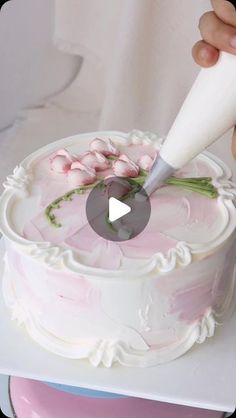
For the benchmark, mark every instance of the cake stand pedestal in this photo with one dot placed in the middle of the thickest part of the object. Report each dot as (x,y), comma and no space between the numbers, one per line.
(205,377)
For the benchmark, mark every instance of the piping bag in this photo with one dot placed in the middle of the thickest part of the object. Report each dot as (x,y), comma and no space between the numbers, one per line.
(208,111)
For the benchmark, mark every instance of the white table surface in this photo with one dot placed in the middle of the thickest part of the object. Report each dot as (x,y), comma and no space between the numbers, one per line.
(205,377)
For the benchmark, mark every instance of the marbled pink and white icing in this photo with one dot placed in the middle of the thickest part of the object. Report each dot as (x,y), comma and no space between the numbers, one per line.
(139,302)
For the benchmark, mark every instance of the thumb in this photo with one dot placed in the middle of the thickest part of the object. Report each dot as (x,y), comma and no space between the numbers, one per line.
(225,11)
(234,143)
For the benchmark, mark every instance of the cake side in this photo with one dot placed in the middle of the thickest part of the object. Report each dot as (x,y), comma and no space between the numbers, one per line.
(137,322)
(156,302)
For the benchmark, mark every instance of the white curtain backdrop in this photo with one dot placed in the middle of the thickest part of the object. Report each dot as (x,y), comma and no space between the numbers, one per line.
(136,70)
(137,64)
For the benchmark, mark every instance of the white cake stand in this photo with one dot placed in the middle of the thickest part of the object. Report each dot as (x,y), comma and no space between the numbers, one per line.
(205,377)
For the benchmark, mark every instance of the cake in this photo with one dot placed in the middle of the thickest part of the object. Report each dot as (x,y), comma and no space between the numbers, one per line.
(30,399)
(138,302)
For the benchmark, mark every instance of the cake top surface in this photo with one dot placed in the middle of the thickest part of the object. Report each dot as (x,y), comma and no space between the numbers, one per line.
(43,205)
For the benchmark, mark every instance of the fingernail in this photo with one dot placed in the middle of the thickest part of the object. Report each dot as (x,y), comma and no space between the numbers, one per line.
(232,41)
(230,5)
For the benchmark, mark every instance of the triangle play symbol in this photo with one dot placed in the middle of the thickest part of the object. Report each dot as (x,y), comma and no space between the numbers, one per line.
(117,209)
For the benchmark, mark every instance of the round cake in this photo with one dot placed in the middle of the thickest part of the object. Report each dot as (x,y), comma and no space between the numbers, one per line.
(30,399)
(140,301)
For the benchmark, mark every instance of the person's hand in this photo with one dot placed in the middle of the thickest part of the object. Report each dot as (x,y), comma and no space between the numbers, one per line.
(218,31)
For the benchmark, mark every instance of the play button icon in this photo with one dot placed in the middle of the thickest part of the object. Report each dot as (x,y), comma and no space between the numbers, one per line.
(113,212)
(117,209)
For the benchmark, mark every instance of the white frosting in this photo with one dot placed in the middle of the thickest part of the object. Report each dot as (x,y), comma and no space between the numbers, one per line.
(18,181)
(127,347)
(52,254)
(138,314)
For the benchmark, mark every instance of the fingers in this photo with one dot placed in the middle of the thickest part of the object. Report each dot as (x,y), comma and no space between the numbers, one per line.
(225,11)
(204,54)
(234,144)
(217,33)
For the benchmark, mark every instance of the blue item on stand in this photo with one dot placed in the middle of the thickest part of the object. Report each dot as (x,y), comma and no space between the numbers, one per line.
(84,392)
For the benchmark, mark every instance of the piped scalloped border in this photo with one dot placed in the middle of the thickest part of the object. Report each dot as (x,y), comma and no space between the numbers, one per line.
(16,186)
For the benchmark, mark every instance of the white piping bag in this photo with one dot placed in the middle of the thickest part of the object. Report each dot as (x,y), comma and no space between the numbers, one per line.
(206,114)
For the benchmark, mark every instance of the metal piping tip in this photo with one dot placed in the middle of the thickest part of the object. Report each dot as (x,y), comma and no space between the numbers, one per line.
(159,173)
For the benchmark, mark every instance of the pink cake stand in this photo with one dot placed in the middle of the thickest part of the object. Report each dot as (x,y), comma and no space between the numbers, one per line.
(31,398)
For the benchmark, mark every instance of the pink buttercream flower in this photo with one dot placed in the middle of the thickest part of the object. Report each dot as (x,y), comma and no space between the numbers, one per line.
(104,146)
(124,167)
(61,162)
(95,159)
(146,162)
(66,154)
(80,175)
